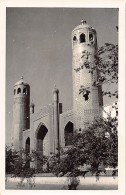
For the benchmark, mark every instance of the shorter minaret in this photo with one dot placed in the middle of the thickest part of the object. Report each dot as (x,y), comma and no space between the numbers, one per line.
(21,112)
(56,119)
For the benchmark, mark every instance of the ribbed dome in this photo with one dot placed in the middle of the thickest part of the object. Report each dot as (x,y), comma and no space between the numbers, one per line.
(83,25)
(21,82)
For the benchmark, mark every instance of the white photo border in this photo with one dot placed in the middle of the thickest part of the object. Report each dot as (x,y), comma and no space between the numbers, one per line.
(66,3)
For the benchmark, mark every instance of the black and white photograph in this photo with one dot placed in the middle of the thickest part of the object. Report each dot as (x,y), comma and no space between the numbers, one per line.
(61,99)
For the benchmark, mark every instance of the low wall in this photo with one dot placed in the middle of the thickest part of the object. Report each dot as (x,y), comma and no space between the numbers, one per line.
(60,183)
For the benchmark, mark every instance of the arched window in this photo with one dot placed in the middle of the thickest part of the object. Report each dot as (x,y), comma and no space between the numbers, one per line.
(14,91)
(90,36)
(68,131)
(24,91)
(82,38)
(74,38)
(19,90)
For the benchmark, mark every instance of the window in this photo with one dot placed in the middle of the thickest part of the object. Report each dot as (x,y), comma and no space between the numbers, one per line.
(82,38)
(90,37)
(24,91)
(86,95)
(19,90)
(74,38)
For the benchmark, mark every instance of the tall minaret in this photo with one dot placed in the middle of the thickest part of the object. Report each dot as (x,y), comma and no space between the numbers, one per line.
(56,119)
(84,49)
(21,112)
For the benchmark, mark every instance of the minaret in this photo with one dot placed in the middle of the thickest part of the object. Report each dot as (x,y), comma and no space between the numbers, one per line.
(56,118)
(84,49)
(21,112)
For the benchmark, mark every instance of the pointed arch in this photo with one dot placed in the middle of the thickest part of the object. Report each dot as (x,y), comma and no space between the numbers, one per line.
(91,37)
(82,38)
(41,143)
(40,136)
(24,91)
(74,38)
(18,90)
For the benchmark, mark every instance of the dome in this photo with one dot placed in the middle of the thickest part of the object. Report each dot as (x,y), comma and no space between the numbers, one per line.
(21,82)
(83,25)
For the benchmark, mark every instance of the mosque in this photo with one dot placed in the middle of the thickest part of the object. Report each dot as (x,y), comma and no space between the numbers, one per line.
(47,130)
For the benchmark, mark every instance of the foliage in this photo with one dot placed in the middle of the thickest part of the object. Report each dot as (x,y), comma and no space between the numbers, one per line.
(108,67)
(40,161)
(73,182)
(84,91)
(106,64)
(18,165)
(92,148)
(9,159)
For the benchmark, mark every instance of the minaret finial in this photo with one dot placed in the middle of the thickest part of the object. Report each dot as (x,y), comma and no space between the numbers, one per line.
(22,77)
(55,90)
(83,21)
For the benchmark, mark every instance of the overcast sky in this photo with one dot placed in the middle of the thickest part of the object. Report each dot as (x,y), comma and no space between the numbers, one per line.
(38,47)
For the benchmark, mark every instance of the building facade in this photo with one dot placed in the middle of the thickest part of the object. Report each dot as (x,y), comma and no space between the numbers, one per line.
(46,130)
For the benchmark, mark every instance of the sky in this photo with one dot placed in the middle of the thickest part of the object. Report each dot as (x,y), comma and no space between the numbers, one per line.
(38,47)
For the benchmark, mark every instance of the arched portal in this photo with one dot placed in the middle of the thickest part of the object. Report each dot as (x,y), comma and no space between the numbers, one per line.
(41,144)
(42,131)
(68,131)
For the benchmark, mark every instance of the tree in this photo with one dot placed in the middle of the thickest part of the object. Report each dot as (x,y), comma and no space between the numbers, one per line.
(9,160)
(90,152)
(18,165)
(108,67)
(106,64)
